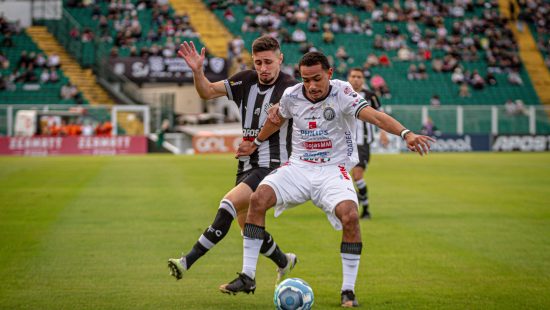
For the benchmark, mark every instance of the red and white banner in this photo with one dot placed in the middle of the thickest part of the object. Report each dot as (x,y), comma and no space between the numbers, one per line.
(216,144)
(94,145)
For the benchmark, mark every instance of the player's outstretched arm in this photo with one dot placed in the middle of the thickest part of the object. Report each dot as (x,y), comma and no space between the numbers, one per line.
(248,147)
(195,61)
(415,143)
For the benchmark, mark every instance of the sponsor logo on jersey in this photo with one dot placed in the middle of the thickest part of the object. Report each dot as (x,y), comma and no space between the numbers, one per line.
(343,171)
(257,111)
(313,133)
(235,83)
(312,118)
(315,160)
(312,125)
(318,145)
(249,133)
(329,114)
(349,142)
(348,90)
(293,96)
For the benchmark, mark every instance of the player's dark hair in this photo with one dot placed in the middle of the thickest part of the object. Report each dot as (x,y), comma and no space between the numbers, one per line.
(356,69)
(314,58)
(265,43)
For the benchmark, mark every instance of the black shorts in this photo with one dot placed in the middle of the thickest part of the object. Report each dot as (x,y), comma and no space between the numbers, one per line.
(252,177)
(364,155)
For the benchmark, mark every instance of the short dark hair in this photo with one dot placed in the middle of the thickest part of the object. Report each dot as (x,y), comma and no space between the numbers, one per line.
(314,58)
(265,43)
(356,69)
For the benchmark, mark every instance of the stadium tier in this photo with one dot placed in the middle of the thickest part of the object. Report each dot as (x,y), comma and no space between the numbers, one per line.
(22,73)
(135,28)
(383,29)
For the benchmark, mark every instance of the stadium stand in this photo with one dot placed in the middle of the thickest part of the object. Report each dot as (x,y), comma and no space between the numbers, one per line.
(27,76)
(472,37)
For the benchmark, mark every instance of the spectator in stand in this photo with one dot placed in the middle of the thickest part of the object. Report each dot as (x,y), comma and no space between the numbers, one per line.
(379,86)
(464,90)
(514,78)
(299,36)
(54,77)
(510,107)
(412,73)
(328,36)
(435,101)
(342,54)
(68,91)
(384,60)
(54,61)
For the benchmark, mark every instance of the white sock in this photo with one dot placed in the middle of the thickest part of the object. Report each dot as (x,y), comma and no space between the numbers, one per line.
(350,267)
(251,251)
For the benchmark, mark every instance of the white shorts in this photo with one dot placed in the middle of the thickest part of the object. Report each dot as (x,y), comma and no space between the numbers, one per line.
(325,186)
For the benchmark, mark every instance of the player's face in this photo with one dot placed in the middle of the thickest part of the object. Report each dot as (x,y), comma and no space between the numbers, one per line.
(268,65)
(316,81)
(356,79)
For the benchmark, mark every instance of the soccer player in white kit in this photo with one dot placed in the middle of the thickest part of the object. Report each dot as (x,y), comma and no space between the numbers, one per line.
(324,113)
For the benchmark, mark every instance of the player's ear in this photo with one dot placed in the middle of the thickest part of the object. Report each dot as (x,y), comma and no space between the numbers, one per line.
(281,58)
(330,71)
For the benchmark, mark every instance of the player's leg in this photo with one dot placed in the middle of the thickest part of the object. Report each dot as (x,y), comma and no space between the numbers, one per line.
(286,186)
(269,247)
(236,199)
(253,238)
(334,193)
(357,173)
(350,250)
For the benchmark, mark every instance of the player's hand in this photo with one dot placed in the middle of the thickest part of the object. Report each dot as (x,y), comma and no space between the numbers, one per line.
(273,115)
(418,143)
(189,53)
(245,149)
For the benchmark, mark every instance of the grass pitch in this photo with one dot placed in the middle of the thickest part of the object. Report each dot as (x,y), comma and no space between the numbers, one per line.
(449,231)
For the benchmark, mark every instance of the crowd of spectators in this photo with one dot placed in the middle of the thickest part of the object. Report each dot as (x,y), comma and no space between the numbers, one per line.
(537,14)
(458,32)
(118,23)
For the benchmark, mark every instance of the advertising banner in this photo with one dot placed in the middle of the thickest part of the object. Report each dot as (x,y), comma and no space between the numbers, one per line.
(216,143)
(157,69)
(93,145)
(523,143)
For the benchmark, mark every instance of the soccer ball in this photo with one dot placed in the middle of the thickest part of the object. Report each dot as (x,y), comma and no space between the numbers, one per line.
(293,294)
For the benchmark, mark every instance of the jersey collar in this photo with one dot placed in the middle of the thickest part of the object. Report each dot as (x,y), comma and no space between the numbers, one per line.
(318,100)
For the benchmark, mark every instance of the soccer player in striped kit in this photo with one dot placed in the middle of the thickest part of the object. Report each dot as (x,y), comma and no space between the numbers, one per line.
(254,92)
(365,136)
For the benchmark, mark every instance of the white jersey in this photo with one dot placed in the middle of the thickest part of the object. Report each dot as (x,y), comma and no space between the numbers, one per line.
(323,132)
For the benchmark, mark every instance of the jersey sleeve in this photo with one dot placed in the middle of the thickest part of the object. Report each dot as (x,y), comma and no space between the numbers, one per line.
(352,102)
(285,104)
(235,85)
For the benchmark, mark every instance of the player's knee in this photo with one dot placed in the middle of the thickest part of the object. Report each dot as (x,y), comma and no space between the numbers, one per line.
(349,216)
(350,220)
(262,199)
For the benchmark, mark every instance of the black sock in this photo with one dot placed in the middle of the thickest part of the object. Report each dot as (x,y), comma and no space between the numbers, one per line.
(271,249)
(362,194)
(211,236)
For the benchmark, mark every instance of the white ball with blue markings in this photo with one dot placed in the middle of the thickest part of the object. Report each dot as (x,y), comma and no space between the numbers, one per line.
(293,294)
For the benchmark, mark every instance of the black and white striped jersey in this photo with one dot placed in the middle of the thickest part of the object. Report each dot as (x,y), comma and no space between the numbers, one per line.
(365,131)
(253,100)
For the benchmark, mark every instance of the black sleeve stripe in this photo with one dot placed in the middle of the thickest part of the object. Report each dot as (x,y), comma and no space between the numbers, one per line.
(361,107)
(228,89)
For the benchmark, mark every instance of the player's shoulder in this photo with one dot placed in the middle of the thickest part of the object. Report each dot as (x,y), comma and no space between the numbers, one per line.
(293,91)
(244,76)
(339,85)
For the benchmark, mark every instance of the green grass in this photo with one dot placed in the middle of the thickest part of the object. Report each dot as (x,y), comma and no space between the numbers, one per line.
(450,231)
